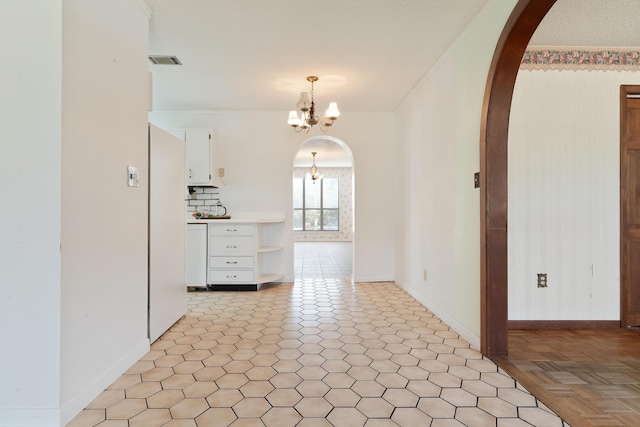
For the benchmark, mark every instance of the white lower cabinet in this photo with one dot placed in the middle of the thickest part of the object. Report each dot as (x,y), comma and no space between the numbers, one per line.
(196,255)
(231,277)
(229,245)
(227,262)
(238,254)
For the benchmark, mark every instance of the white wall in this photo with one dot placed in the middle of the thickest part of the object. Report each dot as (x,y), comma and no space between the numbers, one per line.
(564,185)
(73,264)
(257,149)
(438,215)
(30,96)
(104,248)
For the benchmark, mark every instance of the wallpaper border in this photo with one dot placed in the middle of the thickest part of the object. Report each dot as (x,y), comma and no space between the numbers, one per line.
(559,58)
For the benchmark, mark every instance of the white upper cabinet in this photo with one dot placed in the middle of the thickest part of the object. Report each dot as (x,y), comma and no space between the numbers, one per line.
(199,166)
(199,150)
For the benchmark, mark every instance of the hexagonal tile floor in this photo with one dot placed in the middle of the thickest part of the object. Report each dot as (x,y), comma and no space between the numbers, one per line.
(313,353)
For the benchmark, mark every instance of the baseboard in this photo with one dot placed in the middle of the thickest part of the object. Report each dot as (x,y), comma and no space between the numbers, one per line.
(563,324)
(472,338)
(32,417)
(365,279)
(93,389)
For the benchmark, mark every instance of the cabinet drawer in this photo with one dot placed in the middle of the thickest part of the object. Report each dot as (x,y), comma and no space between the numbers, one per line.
(231,262)
(231,229)
(231,246)
(231,276)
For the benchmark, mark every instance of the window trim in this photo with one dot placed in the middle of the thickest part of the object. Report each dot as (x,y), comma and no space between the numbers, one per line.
(322,209)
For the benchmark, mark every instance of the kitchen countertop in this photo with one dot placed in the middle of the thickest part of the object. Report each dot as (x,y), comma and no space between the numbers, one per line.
(246,218)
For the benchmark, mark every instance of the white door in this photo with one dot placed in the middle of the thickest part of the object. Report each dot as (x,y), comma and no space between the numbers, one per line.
(167,214)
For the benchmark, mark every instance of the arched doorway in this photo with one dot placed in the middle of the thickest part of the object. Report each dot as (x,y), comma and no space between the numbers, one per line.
(525,18)
(323,210)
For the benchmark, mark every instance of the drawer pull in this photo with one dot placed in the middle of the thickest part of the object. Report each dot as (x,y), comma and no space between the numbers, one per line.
(232,262)
(231,230)
(231,246)
(230,276)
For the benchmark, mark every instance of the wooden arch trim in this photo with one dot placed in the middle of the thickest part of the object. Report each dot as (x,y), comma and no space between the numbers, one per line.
(525,18)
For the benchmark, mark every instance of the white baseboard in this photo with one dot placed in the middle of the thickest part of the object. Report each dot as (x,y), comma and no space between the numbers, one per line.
(443,315)
(93,389)
(366,279)
(31,417)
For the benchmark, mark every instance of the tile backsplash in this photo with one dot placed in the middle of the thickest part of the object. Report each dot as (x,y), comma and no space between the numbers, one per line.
(202,199)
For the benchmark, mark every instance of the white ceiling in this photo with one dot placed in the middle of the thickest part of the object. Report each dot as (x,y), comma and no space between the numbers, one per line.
(257,54)
(368,54)
(590,23)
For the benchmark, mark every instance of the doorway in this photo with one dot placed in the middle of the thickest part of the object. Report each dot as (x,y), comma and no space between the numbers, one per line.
(323,209)
(522,23)
(630,205)
(525,18)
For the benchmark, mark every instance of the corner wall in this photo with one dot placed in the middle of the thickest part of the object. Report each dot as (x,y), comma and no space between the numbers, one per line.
(104,222)
(30,97)
(438,132)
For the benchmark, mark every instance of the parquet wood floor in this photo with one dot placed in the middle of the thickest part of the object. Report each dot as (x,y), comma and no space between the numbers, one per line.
(588,377)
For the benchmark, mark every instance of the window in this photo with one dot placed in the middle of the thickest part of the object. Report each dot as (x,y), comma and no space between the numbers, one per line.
(315,204)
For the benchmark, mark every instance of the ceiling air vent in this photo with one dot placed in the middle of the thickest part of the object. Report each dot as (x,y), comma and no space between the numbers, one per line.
(164,60)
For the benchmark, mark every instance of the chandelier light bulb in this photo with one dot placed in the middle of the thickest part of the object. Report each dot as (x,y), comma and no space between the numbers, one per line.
(293,118)
(332,112)
(303,102)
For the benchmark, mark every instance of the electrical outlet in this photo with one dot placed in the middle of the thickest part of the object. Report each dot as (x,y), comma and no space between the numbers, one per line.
(542,280)
(476,180)
(221,172)
(424,274)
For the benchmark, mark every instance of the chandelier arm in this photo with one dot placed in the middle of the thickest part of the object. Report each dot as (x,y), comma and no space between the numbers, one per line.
(324,127)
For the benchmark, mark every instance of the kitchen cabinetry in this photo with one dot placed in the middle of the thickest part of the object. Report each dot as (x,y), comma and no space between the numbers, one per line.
(199,167)
(244,253)
(196,255)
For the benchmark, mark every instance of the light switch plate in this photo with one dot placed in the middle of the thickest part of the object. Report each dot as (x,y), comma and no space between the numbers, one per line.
(133,176)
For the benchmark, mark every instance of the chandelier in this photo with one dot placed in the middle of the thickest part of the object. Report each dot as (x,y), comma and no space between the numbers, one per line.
(314,169)
(308,116)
